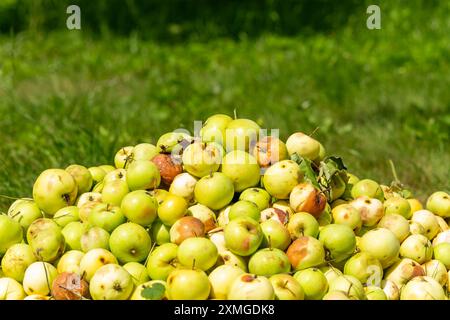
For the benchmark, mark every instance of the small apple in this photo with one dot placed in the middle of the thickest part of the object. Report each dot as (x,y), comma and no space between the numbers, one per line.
(37,297)
(24,211)
(397,224)
(325,217)
(138,272)
(369,188)
(217,236)
(140,207)
(116,174)
(11,233)
(201,159)
(275,234)
(97,174)
(111,282)
(54,189)
(286,287)
(88,197)
(336,295)
(415,205)
(38,278)
(269,150)
(171,209)
(428,221)
(398,205)
(187,284)
(350,285)
(85,211)
(82,177)
(374,293)
(160,233)
(214,128)
(108,168)
(441,252)
(173,142)
(93,260)
(10,289)
(16,260)
(223,218)
(338,240)
(251,287)
(443,226)
(417,247)
(302,224)
(143,175)
(281,177)
(221,279)
(123,157)
(205,215)
(227,257)
(200,253)
(241,134)
(258,196)
(275,214)
(442,237)
(150,290)
(338,202)
(331,272)
(168,167)
(313,283)
(364,267)
(337,187)
(186,227)
(183,185)
(283,206)
(94,237)
(422,288)
(113,192)
(436,270)
(303,145)
(305,252)
(307,198)
(159,194)
(243,236)
(416,228)
(162,261)
(382,244)
(439,204)
(243,208)
(351,180)
(214,191)
(70,286)
(106,216)
(46,239)
(72,234)
(66,215)
(269,261)
(370,209)
(390,289)
(144,151)
(130,242)
(348,215)
(70,262)
(242,169)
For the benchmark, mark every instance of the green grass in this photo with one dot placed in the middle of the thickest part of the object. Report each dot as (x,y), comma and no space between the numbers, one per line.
(66,97)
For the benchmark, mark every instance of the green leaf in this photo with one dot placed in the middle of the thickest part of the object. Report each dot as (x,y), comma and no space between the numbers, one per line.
(306,168)
(154,292)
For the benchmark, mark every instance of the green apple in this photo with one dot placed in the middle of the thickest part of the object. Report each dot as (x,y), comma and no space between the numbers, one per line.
(336,295)
(286,287)
(172,142)
(85,211)
(369,188)
(186,227)
(364,267)
(201,159)
(46,239)
(242,169)
(214,191)
(325,217)
(130,242)
(223,218)
(106,216)
(416,228)
(241,134)
(397,224)
(442,253)
(243,236)
(217,236)
(243,208)
(441,237)
(144,151)
(313,283)
(428,221)
(390,289)
(436,270)
(251,287)
(66,215)
(143,175)
(123,157)
(93,260)
(269,150)
(227,257)
(281,177)
(113,192)
(171,209)
(422,288)
(398,205)
(138,272)
(350,285)
(88,197)
(331,272)
(305,197)
(24,211)
(116,174)
(302,224)
(370,209)
(275,234)
(214,128)
(439,204)
(258,196)
(374,293)
(38,278)
(108,168)
(53,190)
(337,187)
(97,174)
(70,262)
(10,289)
(269,261)
(72,234)
(183,185)
(275,214)
(417,247)
(200,253)
(443,226)
(187,284)
(348,215)
(415,204)
(162,261)
(159,194)
(382,244)
(94,237)
(140,207)
(221,279)
(111,282)
(303,145)
(150,290)
(16,260)
(306,252)
(338,240)
(82,177)
(352,179)
(205,215)
(11,233)
(160,233)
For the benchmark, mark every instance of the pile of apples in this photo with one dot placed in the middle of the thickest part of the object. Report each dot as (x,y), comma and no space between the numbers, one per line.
(228,213)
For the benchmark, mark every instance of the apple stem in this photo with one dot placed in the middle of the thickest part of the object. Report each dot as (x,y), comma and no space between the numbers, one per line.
(314,131)
(235,113)
(8,197)
(193,264)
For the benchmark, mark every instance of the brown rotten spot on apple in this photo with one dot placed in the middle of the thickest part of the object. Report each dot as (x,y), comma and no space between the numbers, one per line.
(297,251)
(186,227)
(168,167)
(70,286)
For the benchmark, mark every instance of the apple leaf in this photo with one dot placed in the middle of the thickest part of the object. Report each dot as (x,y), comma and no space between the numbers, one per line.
(306,168)
(154,292)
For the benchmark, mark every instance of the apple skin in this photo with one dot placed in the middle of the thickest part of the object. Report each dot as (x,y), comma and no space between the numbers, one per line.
(138,292)
(222,217)
(168,168)
(70,262)
(325,217)
(243,208)
(374,293)
(221,279)
(251,287)
(97,174)
(214,128)
(348,215)
(370,209)
(303,224)
(286,287)
(397,224)
(227,257)
(369,188)
(107,167)
(187,284)
(72,233)
(201,159)
(11,289)
(82,177)
(382,244)
(171,209)
(143,175)
(111,282)
(269,150)
(422,288)
(205,215)
(416,228)
(350,285)
(436,270)
(337,187)
(140,207)
(443,226)
(116,174)
(303,145)
(94,237)
(390,289)
(428,221)
(281,177)
(144,151)
(113,192)
(338,240)
(415,204)
(24,211)
(46,239)
(162,261)
(138,272)
(53,190)
(200,253)
(275,234)
(106,216)
(242,169)
(70,286)
(331,272)
(307,198)
(11,233)
(16,260)
(186,227)
(306,252)
(93,260)
(258,196)
(38,278)
(65,215)
(160,233)
(336,295)
(130,242)
(275,214)
(214,191)
(241,134)
(398,205)
(243,236)
(363,266)
(313,283)
(172,142)
(183,185)
(441,237)
(268,262)
(442,253)
(123,157)
(417,247)
(439,204)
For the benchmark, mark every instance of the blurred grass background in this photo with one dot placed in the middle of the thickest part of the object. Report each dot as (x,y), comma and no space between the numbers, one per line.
(138,69)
